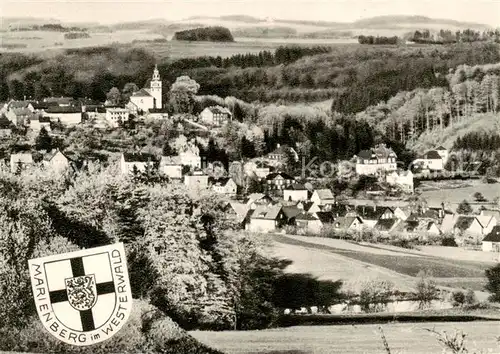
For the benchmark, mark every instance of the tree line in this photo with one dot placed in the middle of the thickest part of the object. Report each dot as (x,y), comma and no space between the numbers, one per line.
(447,36)
(378,40)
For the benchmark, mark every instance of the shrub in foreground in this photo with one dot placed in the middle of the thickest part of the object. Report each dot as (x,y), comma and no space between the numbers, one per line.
(147,330)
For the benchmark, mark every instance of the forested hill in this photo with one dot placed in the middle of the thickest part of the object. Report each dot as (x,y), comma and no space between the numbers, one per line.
(211,34)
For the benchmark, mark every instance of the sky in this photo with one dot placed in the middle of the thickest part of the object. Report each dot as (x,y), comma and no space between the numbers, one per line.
(112,11)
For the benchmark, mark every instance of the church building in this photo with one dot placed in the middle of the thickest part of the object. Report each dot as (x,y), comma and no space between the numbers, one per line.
(147,98)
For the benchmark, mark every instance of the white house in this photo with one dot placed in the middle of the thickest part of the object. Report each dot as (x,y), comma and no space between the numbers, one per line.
(323,197)
(55,161)
(403,179)
(171,167)
(224,185)
(295,192)
(196,180)
(148,98)
(116,116)
(66,115)
(135,161)
(374,160)
(157,113)
(491,243)
(431,160)
(266,218)
(215,115)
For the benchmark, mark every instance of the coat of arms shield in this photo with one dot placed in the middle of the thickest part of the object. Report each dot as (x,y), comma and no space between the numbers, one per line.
(83,297)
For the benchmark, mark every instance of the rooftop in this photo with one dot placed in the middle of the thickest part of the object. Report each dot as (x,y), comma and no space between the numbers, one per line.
(380,151)
(138,157)
(494,235)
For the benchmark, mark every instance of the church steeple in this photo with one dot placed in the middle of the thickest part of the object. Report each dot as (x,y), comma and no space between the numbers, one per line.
(156,90)
(156,73)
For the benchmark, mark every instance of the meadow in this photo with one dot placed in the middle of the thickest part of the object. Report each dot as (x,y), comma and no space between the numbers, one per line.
(336,259)
(403,338)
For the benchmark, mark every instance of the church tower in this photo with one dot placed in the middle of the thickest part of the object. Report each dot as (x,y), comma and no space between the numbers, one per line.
(156,88)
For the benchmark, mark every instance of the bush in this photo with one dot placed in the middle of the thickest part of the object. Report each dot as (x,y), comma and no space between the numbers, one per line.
(470,298)
(426,290)
(375,295)
(458,298)
(449,242)
(493,285)
(147,330)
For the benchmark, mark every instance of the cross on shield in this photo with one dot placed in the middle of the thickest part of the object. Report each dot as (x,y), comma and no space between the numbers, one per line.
(81,286)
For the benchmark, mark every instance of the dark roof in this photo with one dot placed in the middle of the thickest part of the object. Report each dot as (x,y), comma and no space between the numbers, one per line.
(369,212)
(494,235)
(380,151)
(221,180)
(338,210)
(305,216)
(138,157)
(57,109)
(385,224)
(218,110)
(440,147)
(325,216)
(158,110)
(291,211)
(464,222)
(432,155)
(4,122)
(141,93)
(273,175)
(50,155)
(296,187)
(307,205)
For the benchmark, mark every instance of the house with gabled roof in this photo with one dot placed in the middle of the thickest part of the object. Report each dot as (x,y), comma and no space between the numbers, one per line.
(56,161)
(278,180)
(291,212)
(308,206)
(323,197)
(68,115)
(131,161)
(295,192)
(371,214)
(386,225)
(374,160)
(215,116)
(59,101)
(281,153)
(266,218)
(171,166)
(491,243)
(417,226)
(19,116)
(348,223)
(326,218)
(224,185)
(255,199)
(431,160)
(308,223)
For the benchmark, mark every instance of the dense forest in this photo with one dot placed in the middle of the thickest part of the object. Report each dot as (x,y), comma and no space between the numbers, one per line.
(447,36)
(211,34)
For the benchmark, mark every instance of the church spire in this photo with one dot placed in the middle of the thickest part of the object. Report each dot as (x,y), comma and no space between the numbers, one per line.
(156,73)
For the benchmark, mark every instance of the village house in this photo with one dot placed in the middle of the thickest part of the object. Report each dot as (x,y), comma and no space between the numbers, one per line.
(93,112)
(415,226)
(215,116)
(308,223)
(256,199)
(491,243)
(346,223)
(20,161)
(402,213)
(224,185)
(403,179)
(291,212)
(115,116)
(371,214)
(157,113)
(326,218)
(281,153)
(278,180)
(323,197)
(19,116)
(67,115)
(472,225)
(266,219)
(147,98)
(171,166)
(130,162)
(375,160)
(431,160)
(239,212)
(295,192)
(190,158)
(37,122)
(196,180)
(385,226)
(56,161)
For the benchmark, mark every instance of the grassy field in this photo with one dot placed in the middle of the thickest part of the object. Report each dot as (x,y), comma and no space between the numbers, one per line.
(403,338)
(336,259)
(454,196)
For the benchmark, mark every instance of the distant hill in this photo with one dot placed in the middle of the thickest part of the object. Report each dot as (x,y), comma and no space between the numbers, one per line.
(211,34)
(403,20)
